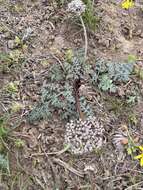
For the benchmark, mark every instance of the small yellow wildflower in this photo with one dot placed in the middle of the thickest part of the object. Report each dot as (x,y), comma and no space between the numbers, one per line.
(140,156)
(126,4)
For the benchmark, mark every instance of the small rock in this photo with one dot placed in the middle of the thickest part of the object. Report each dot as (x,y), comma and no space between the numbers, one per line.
(121,91)
(141,35)
(59,42)
(7,34)
(107,43)
(11,44)
(90,168)
(138,33)
(104,42)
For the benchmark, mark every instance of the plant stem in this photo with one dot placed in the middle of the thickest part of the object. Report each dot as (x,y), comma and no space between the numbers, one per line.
(76,87)
(131,25)
(85,37)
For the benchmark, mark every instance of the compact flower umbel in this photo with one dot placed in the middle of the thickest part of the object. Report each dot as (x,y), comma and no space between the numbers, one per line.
(84,136)
(77,7)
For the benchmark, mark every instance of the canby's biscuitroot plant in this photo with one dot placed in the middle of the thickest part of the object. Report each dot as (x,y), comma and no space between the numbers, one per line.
(60,95)
(57,93)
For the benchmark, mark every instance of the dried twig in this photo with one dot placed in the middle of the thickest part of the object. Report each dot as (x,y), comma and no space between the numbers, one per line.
(54,175)
(135,185)
(51,153)
(71,169)
(40,183)
(58,60)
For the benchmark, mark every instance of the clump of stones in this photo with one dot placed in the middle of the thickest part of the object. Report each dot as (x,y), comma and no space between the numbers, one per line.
(84,136)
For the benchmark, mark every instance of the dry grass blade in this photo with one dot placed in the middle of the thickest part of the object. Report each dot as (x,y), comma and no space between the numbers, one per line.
(56,181)
(71,169)
(58,60)
(40,183)
(51,153)
(134,186)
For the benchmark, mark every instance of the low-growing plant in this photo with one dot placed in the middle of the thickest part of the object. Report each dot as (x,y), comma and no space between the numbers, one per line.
(106,84)
(16,107)
(60,2)
(131,58)
(108,75)
(11,87)
(138,72)
(57,96)
(131,99)
(19,143)
(4,163)
(11,60)
(132,118)
(3,129)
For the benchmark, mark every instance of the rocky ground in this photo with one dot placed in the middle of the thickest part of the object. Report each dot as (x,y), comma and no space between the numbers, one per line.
(36,34)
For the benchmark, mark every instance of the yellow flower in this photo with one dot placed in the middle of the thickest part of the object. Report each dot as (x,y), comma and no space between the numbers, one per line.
(126,4)
(140,156)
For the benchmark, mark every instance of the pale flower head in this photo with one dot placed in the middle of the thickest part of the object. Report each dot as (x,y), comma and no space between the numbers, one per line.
(77,7)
